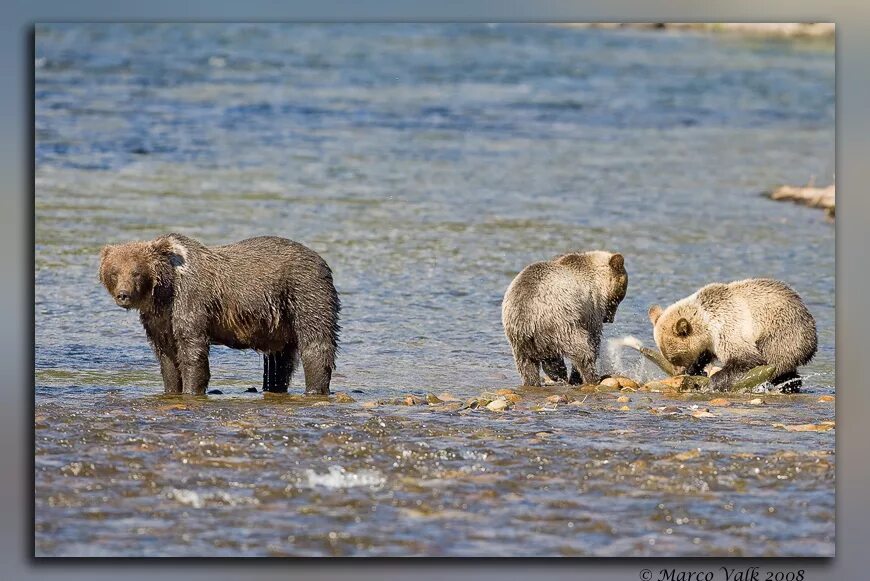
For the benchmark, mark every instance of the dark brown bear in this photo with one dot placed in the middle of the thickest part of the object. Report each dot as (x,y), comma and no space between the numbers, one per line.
(267,293)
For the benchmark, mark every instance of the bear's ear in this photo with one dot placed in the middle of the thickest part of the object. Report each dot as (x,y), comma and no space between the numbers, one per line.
(654,313)
(617,262)
(104,252)
(161,246)
(682,328)
(172,254)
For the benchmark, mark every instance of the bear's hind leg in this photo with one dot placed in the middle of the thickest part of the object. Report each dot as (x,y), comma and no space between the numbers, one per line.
(583,367)
(581,347)
(318,361)
(277,370)
(555,369)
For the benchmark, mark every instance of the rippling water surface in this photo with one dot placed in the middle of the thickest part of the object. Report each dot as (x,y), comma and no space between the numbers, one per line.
(427,164)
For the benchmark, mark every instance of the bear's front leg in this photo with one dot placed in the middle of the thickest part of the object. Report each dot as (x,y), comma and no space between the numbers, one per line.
(170,373)
(193,365)
(555,369)
(697,368)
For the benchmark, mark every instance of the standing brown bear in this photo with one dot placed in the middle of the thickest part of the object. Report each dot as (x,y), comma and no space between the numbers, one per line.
(267,293)
(558,308)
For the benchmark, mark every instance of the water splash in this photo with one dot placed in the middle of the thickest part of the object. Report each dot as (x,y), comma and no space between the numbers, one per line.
(634,366)
(338,477)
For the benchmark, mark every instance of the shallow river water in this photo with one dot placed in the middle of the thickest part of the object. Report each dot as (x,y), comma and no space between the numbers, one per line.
(427,164)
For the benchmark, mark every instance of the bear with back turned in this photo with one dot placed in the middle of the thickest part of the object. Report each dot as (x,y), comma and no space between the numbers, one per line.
(269,294)
(743,324)
(557,308)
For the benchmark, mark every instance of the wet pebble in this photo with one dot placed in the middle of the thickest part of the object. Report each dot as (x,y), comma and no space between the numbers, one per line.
(666,410)
(215,392)
(342,397)
(251,390)
(687,455)
(826,398)
(719,402)
(756,401)
(625,382)
(497,405)
(623,399)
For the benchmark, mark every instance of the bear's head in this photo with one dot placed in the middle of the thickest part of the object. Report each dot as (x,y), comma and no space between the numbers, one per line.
(617,285)
(136,273)
(605,271)
(680,333)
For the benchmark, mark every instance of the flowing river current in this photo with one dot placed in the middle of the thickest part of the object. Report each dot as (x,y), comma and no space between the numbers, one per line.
(428,164)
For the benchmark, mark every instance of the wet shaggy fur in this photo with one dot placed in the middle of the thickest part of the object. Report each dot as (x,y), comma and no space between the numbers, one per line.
(743,324)
(557,308)
(267,293)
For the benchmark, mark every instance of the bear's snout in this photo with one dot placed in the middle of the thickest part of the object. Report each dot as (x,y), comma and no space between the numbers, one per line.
(124,299)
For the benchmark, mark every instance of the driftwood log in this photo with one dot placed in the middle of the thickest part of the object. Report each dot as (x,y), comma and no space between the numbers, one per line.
(824,198)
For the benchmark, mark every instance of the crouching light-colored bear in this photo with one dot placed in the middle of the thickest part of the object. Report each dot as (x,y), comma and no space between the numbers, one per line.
(743,324)
(557,308)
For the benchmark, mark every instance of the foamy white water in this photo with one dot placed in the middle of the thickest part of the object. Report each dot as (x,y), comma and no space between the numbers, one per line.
(338,477)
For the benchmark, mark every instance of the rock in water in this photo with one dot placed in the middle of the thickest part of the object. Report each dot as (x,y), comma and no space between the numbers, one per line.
(497,405)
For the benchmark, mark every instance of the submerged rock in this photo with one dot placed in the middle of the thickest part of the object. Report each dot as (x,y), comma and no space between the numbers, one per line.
(558,398)
(610,382)
(498,405)
(342,397)
(446,396)
(626,383)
